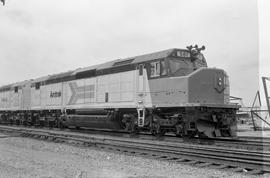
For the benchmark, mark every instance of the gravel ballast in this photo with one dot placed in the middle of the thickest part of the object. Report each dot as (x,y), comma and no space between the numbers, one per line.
(24,157)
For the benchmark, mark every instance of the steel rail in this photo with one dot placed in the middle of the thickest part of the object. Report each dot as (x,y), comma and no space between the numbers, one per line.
(250,160)
(249,143)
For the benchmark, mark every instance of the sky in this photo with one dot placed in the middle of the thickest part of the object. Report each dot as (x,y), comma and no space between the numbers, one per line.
(264,45)
(40,37)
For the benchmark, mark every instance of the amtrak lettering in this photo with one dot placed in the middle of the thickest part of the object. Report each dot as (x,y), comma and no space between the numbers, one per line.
(55,94)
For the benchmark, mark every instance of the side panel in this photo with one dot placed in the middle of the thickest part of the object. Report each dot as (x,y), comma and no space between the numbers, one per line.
(26,97)
(35,98)
(102,88)
(116,87)
(43,96)
(4,100)
(54,95)
(113,84)
(74,92)
(107,91)
(127,86)
(169,91)
(15,99)
(90,90)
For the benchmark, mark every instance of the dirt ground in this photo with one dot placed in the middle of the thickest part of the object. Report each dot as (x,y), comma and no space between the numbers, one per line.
(23,157)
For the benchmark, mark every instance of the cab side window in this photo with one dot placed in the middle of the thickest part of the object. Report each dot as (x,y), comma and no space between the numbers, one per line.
(141,69)
(155,69)
(37,85)
(163,70)
(158,68)
(16,89)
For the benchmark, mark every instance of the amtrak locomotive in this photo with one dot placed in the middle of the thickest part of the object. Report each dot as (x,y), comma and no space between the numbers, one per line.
(167,91)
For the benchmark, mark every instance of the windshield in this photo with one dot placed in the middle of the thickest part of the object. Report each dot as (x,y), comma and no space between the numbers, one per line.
(184,66)
(180,67)
(200,61)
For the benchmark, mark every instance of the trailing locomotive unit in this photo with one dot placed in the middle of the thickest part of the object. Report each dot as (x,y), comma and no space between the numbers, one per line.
(167,91)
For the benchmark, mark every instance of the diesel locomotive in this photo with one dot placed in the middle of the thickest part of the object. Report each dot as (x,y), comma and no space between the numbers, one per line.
(170,91)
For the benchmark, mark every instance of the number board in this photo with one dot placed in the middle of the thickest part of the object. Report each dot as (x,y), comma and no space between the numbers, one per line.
(183,54)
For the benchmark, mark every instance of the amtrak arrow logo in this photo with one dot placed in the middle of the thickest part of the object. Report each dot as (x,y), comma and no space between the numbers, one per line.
(80,92)
(220,82)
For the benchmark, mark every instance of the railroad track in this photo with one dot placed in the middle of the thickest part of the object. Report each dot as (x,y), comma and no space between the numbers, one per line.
(259,139)
(253,162)
(243,142)
(248,143)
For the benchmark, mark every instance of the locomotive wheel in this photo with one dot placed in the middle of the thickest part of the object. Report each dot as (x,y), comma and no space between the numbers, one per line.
(191,134)
(225,133)
(156,130)
(42,123)
(161,133)
(60,125)
(129,123)
(134,131)
(179,130)
(180,135)
(202,135)
(206,127)
(153,132)
(158,134)
(23,122)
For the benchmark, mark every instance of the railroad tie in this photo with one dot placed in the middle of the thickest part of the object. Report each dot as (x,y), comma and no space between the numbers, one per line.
(255,172)
(221,166)
(149,156)
(204,164)
(171,159)
(164,157)
(237,169)
(182,160)
(190,162)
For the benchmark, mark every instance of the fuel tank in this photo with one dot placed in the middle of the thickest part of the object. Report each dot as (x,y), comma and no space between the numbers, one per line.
(98,121)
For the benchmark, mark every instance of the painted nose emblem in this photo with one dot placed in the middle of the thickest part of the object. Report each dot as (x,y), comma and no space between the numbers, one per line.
(219,82)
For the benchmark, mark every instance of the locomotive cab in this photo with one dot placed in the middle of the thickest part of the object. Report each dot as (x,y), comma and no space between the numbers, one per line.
(179,63)
(184,62)
(186,96)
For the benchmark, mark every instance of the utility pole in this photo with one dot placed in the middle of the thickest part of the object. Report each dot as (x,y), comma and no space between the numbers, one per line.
(264,79)
(3,1)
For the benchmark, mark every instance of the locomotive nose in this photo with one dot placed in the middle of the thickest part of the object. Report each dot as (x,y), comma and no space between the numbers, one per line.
(209,85)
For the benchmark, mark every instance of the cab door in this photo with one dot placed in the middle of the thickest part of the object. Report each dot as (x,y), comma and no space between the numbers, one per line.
(141,79)
(141,82)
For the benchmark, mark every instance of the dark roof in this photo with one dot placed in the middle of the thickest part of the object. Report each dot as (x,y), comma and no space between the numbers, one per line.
(5,88)
(133,60)
(65,76)
(89,71)
(151,56)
